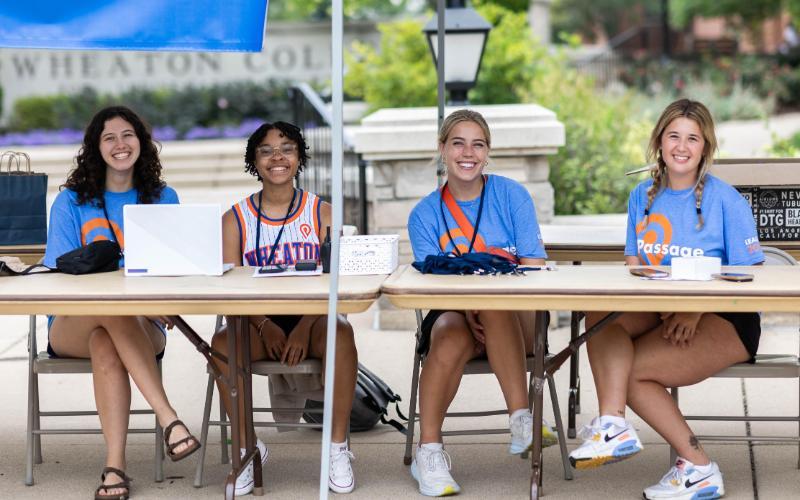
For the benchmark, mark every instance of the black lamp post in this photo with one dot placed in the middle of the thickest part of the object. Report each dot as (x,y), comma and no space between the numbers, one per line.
(465,35)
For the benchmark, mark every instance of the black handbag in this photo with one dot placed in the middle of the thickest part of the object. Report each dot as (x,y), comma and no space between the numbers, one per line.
(100,256)
(23,202)
(96,257)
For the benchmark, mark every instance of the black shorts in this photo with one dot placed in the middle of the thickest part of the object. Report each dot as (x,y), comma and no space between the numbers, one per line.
(748,328)
(286,322)
(427,326)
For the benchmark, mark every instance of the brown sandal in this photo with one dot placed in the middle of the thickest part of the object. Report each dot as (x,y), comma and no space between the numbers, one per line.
(125,483)
(171,447)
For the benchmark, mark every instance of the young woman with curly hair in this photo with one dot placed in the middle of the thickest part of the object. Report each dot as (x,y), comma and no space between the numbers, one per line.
(279,225)
(117,165)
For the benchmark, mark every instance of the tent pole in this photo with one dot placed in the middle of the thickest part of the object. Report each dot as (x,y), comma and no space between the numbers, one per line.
(337,143)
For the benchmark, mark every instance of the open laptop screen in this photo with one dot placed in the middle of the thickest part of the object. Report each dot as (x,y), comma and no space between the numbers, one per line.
(173,240)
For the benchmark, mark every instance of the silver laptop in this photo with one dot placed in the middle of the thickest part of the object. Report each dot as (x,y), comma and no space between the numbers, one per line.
(173,240)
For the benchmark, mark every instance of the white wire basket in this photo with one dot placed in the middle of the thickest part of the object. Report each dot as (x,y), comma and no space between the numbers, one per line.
(368,254)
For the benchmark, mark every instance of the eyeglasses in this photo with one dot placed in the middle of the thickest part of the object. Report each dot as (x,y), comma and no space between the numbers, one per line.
(269,151)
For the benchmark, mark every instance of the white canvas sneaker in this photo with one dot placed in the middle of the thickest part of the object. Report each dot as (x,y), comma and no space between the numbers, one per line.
(340,477)
(431,469)
(245,482)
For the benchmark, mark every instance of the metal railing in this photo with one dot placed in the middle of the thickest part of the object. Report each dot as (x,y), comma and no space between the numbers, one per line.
(312,116)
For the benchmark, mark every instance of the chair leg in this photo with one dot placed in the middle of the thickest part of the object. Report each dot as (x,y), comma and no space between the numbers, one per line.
(33,394)
(412,408)
(673,454)
(159,444)
(159,451)
(201,459)
(524,454)
(223,434)
(562,441)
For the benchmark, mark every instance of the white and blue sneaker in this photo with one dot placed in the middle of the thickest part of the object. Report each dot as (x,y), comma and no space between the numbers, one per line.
(431,469)
(686,481)
(522,434)
(245,482)
(605,444)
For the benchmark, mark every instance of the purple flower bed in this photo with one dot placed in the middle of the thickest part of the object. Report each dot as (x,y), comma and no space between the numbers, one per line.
(167,133)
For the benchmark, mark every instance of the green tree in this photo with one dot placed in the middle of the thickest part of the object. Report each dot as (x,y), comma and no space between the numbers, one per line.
(299,10)
(586,18)
(407,76)
(744,13)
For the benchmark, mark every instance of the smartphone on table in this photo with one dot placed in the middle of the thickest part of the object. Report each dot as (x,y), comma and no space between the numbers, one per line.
(648,272)
(737,277)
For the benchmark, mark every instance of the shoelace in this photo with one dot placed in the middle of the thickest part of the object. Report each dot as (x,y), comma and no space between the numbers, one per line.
(441,456)
(338,465)
(525,423)
(589,430)
(672,477)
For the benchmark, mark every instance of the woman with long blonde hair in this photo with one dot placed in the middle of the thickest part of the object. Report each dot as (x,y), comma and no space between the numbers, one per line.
(682,211)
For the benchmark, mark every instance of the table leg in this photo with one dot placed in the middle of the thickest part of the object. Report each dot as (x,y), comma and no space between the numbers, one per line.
(239,345)
(236,437)
(247,393)
(538,388)
(574,404)
(574,401)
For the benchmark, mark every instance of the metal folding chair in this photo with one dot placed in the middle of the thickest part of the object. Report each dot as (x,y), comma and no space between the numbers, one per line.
(41,363)
(766,366)
(308,366)
(480,367)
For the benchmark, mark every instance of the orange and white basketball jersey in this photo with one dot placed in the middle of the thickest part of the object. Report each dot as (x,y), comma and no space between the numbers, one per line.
(300,238)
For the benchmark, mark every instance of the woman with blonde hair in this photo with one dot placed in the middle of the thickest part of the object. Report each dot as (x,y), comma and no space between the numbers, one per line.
(473,211)
(682,211)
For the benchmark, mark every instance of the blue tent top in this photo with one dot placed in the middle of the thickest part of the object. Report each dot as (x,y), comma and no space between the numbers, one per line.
(173,25)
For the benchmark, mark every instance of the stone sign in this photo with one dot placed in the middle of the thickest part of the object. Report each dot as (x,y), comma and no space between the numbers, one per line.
(292,51)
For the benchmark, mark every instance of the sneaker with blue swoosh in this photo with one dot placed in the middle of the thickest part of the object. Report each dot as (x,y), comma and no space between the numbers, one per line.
(685,481)
(605,444)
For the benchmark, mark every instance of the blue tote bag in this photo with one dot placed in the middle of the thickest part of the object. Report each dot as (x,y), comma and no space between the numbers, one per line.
(23,201)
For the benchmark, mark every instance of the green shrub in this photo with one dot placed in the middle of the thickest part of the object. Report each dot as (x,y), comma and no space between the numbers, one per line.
(605,137)
(785,148)
(216,105)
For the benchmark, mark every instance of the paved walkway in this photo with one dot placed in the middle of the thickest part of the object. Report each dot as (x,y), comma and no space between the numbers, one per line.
(73,463)
(752,138)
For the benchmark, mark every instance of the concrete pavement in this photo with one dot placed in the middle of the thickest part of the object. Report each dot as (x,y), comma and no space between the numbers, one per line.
(72,464)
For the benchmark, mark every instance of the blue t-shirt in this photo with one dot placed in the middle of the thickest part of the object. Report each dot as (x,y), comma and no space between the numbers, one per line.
(728,232)
(508,222)
(73,226)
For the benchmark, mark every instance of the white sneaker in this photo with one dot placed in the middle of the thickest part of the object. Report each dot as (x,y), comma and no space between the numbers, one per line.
(245,481)
(685,482)
(604,445)
(522,434)
(340,477)
(431,469)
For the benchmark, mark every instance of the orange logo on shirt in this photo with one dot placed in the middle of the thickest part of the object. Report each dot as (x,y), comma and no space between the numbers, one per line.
(648,233)
(97,229)
(305,230)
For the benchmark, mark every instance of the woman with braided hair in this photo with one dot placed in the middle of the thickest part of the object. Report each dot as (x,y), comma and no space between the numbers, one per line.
(682,211)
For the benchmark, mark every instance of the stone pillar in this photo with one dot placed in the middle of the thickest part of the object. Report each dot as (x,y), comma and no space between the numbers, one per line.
(401,144)
(539,19)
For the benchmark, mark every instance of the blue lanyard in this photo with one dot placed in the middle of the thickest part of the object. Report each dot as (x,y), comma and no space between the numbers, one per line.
(280,233)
